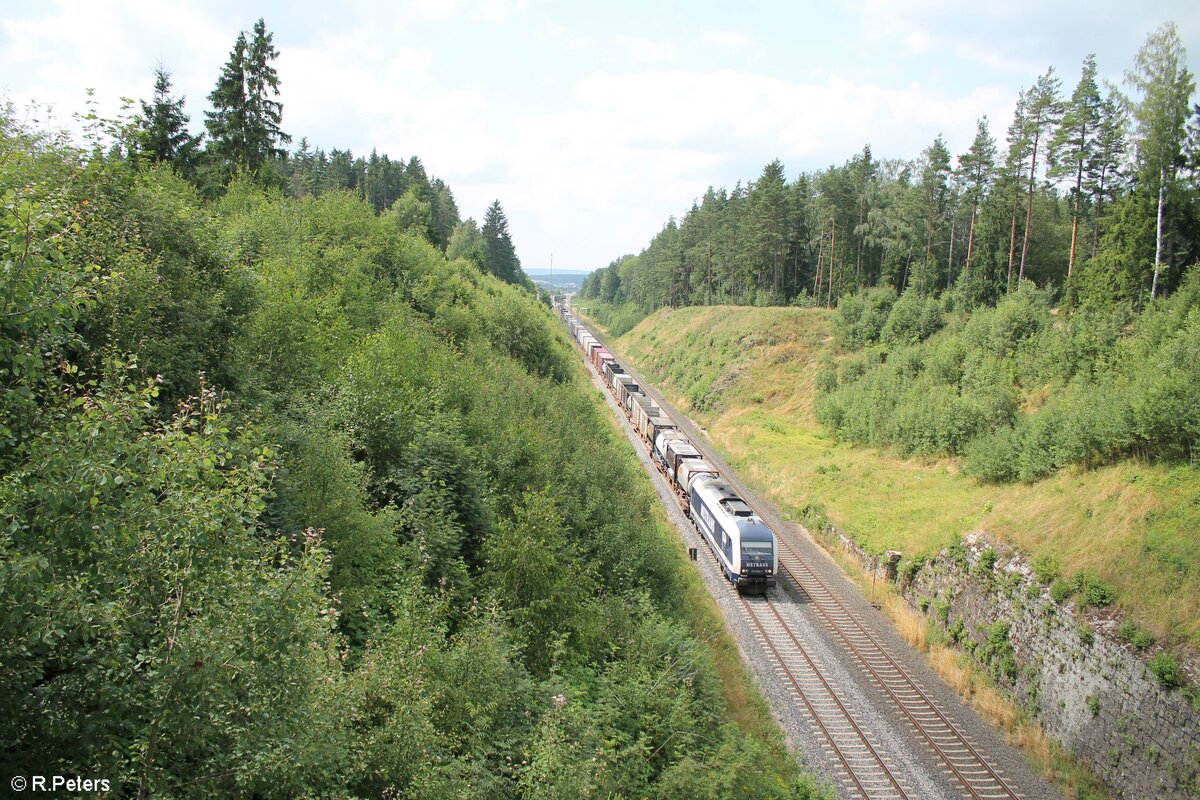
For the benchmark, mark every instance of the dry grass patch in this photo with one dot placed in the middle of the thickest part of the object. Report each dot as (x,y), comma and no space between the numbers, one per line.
(910,624)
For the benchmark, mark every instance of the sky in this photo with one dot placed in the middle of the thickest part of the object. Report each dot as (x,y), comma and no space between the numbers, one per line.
(592,123)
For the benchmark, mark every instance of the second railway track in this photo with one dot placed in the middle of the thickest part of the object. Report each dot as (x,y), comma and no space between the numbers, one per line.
(957,753)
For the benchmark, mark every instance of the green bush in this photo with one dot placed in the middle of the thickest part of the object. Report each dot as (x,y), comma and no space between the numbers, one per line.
(996,651)
(1060,591)
(1046,569)
(912,319)
(992,458)
(1139,637)
(861,317)
(1115,390)
(1091,590)
(1087,637)
(827,377)
(1167,670)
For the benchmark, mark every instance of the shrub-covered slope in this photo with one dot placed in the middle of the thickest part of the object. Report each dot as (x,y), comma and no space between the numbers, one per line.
(292,506)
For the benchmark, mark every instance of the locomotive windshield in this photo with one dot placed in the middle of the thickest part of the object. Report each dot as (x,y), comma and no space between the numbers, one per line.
(759,549)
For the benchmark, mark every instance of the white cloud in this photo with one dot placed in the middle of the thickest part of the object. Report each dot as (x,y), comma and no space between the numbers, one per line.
(433,9)
(387,99)
(78,45)
(603,174)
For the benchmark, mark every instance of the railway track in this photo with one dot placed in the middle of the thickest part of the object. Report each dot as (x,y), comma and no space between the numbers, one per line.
(955,751)
(864,769)
(855,756)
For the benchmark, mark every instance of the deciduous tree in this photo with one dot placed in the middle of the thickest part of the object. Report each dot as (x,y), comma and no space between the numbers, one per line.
(1160,75)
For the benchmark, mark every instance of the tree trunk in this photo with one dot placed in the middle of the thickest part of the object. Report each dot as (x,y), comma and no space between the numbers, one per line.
(832,250)
(950,256)
(817,275)
(1074,237)
(929,231)
(1099,208)
(862,211)
(708,269)
(1075,221)
(1028,209)
(971,238)
(1012,241)
(1162,199)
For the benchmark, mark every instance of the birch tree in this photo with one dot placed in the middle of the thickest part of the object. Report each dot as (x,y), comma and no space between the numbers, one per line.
(1160,75)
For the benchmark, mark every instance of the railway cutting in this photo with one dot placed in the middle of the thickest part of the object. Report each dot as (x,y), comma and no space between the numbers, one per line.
(852,697)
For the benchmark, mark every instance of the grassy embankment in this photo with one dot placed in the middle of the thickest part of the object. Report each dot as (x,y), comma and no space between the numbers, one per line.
(748,376)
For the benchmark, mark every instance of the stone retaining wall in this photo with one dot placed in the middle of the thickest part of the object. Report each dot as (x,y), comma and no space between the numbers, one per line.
(1089,690)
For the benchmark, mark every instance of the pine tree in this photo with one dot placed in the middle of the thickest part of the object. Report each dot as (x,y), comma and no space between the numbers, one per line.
(1020,145)
(244,124)
(976,170)
(165,135)
(1074,144)
(1043,110)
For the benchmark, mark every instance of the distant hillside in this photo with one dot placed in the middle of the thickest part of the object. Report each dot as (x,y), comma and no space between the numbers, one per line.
(560,278)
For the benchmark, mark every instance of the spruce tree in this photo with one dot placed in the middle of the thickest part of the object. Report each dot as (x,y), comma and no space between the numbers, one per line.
(1105,177)
(165,135)
(500,258)
(768,225)
(244,124)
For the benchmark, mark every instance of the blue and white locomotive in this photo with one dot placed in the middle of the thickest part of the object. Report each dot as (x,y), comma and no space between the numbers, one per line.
(740,539)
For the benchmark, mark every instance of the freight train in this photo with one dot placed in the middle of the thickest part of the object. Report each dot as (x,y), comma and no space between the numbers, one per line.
(743,544)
